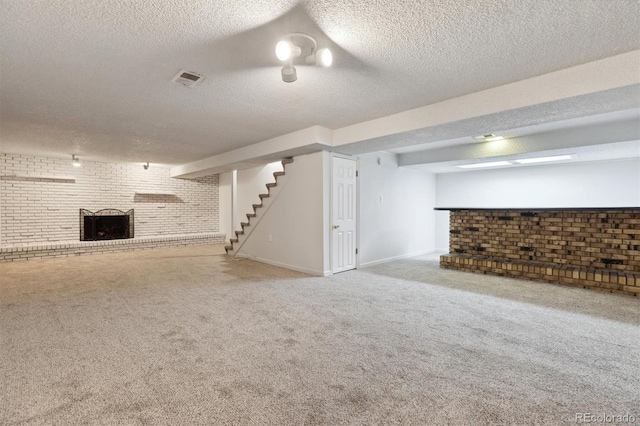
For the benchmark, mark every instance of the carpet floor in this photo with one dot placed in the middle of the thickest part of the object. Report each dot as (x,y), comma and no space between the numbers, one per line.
(190,336)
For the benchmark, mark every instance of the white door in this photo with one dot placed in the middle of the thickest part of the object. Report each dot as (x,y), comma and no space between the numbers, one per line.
(343,215)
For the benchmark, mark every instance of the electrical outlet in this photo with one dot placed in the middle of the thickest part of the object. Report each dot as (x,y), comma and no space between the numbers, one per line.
(270,237)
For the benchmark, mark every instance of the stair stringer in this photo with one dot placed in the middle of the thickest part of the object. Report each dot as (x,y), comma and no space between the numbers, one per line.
(259,210)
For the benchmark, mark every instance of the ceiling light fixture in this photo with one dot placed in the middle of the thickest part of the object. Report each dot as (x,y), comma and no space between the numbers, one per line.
(518,162)
(544,159)
(292,47)
(480,165)
(489,137)
(75,161)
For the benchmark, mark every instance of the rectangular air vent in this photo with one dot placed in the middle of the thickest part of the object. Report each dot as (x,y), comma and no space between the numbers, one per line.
(188,78)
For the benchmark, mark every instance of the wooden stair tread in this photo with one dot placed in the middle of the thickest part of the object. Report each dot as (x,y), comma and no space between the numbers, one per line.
(284,162)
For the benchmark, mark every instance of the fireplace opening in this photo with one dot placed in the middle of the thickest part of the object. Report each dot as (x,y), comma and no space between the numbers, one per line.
(107,224)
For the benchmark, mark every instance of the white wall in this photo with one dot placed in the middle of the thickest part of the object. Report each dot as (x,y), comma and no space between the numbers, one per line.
(225,203)
(235,200)
(596,184)
(401,224)
(291,232)
(327,229)
(251,183)
(40,198)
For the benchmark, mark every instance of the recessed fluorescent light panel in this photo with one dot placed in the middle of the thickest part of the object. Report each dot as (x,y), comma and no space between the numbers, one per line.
(480,165)
(543,159)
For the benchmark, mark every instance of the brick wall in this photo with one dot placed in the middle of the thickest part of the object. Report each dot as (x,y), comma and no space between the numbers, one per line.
(564,246)
(40,198)
(79,248)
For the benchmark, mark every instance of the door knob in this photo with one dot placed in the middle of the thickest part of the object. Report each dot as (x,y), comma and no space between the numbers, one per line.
(336,226)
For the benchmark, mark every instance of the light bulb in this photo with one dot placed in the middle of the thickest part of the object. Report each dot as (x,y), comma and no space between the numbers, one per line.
(284,50)
(324,57)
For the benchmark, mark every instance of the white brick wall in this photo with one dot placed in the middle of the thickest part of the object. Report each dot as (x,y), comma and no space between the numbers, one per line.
(40,198)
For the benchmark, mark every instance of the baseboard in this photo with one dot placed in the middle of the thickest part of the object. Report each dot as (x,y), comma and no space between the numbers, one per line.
(391,259)
(284,265)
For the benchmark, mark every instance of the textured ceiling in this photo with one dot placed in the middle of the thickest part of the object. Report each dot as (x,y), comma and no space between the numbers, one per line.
(93,76)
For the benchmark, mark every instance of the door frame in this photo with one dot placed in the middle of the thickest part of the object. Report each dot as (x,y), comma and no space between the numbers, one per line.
(357,212)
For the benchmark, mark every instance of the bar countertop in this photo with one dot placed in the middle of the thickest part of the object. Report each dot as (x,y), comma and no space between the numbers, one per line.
(529,209)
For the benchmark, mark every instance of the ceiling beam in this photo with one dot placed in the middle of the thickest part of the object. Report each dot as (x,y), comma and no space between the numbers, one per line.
(312,139)
(605,74)
(620,131)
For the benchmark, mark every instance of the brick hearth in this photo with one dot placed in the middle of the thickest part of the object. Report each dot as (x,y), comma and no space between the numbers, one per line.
(78,248)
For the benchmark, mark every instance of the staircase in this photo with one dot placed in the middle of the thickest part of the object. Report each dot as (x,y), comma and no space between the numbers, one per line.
(236,243)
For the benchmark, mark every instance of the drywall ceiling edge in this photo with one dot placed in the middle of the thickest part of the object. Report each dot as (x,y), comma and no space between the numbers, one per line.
(312,139)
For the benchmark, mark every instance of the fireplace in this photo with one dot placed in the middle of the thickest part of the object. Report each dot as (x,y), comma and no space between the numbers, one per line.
(106,224)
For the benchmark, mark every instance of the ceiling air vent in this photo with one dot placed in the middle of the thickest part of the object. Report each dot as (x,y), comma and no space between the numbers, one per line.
(188,78)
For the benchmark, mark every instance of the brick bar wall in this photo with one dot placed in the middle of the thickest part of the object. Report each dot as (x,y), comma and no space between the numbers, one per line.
(40,198)
(554,246)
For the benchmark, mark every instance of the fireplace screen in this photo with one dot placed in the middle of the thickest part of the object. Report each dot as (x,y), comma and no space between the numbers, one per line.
(107,224)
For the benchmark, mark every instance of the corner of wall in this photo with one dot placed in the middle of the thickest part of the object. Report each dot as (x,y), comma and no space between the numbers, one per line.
(396,209)
(327,166)
(291,233)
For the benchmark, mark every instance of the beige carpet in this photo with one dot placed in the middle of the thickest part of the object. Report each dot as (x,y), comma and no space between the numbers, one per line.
(189,336)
